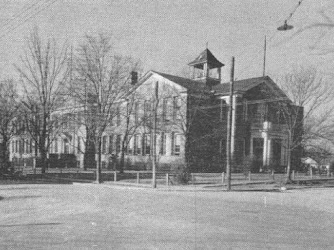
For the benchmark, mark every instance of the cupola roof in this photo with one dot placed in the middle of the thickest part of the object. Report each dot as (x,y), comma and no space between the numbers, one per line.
(206,57)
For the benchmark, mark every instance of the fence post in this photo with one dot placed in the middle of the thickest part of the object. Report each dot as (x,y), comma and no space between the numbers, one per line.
(167,179)
(311,172)
(115,176)
(249,175)
(293,174)
(137,177)
(223,177)
(273,174)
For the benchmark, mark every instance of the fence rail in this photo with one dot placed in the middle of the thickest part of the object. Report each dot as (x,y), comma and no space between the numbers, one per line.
(145,177)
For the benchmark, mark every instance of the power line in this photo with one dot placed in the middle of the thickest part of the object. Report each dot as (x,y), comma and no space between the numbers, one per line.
(294,10)
(21,16)
(18,14)
(258,51)
(50,2)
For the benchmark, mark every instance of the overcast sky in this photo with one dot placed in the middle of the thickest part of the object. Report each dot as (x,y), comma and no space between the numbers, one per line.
(166,34)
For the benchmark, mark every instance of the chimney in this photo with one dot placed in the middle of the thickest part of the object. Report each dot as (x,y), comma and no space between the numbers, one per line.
(134,77)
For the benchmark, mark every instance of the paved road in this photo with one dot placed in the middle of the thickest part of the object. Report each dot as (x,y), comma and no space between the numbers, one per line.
(102,217)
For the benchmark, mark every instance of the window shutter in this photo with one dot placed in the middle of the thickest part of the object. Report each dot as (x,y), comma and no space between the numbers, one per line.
(172,142)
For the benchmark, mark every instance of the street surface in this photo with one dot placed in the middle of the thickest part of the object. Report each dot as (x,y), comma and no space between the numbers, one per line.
(90,216)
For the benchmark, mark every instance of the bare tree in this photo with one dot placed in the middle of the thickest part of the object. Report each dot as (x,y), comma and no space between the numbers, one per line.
(190,115)
(9,117)
(45,72)
(132,122)
(105,79)
(309,117)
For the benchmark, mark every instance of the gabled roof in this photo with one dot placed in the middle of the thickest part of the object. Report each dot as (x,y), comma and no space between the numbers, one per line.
(206,56)
(189,84)
(184,82)
(241,86)
(244,85)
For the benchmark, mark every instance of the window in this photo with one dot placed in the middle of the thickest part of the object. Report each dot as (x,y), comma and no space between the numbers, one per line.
(223,110)
(245,110)
(111,144)
(27,150)
(31,146)
(164,109)
(147,109)
(16,146)
(176,144)
(137,145)
(163,138)
(79,145)
(21,146)
(168,109)
(118,143)
(176,108)
(56,146)
(147,144)
(104,144)
(130,146)
(66,146)
(118,117)
(136,110)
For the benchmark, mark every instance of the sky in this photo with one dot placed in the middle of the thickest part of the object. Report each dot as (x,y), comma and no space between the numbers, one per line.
(167,34)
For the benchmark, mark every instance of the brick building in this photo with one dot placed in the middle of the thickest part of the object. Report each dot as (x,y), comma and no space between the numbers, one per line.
(191,123)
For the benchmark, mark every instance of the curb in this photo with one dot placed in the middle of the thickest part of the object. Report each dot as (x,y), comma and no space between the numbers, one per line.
(190,188)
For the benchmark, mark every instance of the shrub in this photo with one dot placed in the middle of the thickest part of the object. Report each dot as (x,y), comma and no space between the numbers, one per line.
(182,175)
(331,167)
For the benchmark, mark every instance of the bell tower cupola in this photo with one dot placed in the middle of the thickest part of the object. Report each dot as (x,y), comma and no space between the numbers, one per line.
(207,68)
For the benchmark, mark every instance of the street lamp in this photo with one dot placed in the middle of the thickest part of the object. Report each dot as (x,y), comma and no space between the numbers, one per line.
(285,26)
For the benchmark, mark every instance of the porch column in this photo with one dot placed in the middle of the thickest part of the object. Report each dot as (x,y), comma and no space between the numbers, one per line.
(251,148)
(234,124)
(265,148)
(269,152)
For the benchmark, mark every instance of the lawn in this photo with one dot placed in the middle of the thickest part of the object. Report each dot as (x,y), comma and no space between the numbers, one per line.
(90,216)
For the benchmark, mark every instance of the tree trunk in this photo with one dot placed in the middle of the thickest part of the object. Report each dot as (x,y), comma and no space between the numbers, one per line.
(122,159)
(288,167)
(5,155)
(98,163)
(89,154)
(44,159)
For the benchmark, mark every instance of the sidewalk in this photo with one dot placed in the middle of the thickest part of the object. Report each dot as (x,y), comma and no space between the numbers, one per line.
(265,185)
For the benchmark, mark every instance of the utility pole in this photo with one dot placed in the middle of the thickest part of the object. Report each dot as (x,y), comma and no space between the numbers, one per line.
(264,55)
(154,136)
(99,106)
(229,130)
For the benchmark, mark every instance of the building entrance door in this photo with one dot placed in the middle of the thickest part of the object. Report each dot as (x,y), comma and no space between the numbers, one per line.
(258,154)
(277,146)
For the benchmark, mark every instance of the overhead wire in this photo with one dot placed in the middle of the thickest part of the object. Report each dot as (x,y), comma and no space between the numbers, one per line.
(38,10)
(18,14)
(258,51)
(293,12)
